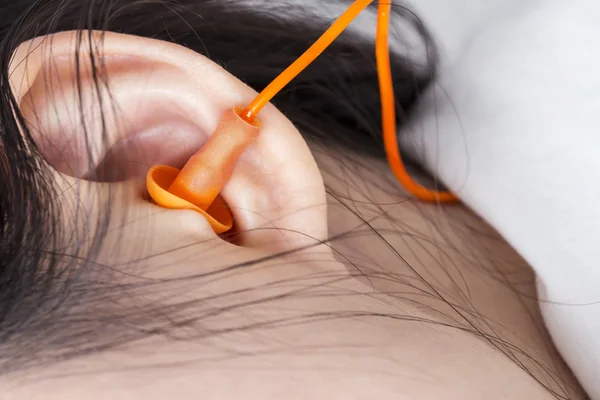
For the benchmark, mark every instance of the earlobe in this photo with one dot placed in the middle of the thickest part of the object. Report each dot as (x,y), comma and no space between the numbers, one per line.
(157,103)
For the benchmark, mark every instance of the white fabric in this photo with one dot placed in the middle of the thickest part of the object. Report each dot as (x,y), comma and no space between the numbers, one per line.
(513,126)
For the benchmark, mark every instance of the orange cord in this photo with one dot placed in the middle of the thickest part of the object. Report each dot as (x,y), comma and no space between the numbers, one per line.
(388,104)
(388,112)
(305,59)
(197,186)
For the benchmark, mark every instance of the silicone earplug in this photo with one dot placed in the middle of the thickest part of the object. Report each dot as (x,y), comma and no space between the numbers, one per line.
(198,184)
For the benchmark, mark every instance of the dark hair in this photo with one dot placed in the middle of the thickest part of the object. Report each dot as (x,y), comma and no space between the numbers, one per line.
(45,291)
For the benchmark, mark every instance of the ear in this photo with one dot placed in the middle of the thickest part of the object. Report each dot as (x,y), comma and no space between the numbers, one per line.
(144,102)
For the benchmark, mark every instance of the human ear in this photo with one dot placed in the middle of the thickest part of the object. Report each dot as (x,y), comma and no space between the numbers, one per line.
(144,102)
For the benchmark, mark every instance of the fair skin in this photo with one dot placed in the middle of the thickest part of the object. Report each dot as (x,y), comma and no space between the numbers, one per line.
(278,184)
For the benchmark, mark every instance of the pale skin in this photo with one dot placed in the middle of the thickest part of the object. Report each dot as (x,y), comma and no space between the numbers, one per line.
(279,184)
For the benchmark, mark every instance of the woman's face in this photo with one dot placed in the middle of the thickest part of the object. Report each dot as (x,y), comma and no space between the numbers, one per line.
(405,302)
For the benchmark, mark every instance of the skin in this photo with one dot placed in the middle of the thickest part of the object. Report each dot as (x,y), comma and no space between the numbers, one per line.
(382,351)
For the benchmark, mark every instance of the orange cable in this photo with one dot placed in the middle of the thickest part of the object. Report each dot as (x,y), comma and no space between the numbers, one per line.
(388,112)
(305,59)
(384,71)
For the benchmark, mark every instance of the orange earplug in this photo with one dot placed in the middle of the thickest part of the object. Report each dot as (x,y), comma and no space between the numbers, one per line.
(198,184)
